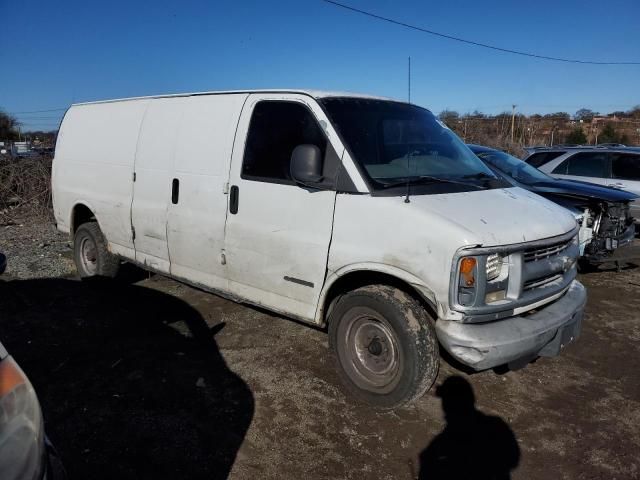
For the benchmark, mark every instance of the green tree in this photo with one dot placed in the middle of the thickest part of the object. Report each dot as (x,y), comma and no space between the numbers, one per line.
(609,135)
(576,136)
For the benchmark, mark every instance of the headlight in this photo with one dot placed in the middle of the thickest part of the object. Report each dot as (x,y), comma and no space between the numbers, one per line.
(494,263)
(21,430)
(481,273)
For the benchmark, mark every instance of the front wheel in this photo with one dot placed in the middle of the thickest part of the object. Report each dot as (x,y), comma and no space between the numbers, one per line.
(91,255)
(385,345)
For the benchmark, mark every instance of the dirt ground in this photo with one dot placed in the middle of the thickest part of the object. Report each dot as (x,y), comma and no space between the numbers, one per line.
(148,378)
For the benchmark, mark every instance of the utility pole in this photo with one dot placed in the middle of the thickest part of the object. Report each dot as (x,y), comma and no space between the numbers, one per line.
(513,121)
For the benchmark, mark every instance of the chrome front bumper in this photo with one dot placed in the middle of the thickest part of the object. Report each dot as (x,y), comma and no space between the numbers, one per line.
(543,333)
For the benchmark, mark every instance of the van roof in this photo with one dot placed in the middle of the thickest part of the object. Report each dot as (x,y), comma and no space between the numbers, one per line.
(312,93)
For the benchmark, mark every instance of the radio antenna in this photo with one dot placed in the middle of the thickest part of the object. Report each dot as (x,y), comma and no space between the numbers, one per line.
(409,80)
(406,199)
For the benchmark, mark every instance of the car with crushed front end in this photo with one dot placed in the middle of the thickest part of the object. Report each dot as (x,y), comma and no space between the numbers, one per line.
(611,166)
(606,226)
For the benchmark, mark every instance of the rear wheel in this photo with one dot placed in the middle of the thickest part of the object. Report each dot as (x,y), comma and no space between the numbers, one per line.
(91,255)
(385,345)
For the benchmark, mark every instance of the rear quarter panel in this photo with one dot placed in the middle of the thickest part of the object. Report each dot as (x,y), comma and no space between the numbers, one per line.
(93,165)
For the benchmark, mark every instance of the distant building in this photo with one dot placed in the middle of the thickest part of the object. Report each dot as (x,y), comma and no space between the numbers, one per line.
(21,148)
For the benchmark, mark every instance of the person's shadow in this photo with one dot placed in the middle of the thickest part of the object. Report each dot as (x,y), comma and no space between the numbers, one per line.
(472,445)
(130,379)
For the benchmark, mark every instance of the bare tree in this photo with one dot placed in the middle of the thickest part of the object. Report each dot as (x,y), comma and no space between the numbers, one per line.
(8,126)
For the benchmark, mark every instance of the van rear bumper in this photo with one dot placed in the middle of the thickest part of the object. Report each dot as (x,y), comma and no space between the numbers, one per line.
(543,333)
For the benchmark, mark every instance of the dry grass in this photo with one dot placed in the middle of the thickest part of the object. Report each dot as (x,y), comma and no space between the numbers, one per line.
(25,188)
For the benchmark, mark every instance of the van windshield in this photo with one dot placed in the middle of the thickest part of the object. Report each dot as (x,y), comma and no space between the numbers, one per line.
(397,142)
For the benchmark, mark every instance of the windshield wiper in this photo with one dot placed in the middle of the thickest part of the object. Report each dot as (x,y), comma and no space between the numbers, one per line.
(428,179)
(478,176)
(488,181)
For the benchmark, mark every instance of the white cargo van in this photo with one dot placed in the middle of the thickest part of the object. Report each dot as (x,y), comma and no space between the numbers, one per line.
(358,213)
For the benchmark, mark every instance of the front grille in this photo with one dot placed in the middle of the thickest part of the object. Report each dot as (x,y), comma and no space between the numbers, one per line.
(535,254)
(539,282)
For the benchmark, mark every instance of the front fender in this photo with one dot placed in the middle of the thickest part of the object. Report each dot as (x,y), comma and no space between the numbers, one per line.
(416,283)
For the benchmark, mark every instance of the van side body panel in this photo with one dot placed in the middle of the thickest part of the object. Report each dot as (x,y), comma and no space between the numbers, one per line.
(278,241)
(153,176)
(93,165)
(196,223)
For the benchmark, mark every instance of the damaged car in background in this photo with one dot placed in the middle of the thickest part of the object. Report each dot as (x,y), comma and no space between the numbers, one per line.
(602,213)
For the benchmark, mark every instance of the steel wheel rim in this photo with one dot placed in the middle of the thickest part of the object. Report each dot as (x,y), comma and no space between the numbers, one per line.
(89,256)
(372,353)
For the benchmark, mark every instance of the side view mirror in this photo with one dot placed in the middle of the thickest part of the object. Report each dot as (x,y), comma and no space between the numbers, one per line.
(306,164)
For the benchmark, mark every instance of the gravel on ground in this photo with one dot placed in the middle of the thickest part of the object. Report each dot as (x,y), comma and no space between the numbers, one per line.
(154,379)
(35,248)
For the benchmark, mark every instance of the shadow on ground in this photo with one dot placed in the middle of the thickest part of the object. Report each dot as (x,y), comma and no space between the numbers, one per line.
(131,381)
(472,445)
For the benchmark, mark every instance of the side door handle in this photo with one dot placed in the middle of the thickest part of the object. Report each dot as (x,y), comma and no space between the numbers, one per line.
(175,191)
(233,199)
(616,185)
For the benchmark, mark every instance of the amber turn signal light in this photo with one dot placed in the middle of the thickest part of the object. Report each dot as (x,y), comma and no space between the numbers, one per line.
(467,265)
(10,376)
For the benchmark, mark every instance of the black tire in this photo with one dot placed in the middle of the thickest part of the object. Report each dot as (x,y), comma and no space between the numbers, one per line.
(91,255)
(385,345)
(585,266)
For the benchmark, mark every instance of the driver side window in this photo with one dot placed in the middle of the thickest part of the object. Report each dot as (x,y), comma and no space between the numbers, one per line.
(276,128)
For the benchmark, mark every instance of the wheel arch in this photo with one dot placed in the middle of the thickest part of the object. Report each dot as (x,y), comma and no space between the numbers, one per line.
(354,276)
(81,213)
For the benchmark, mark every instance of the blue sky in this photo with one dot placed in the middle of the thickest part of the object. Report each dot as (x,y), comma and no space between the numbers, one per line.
(55,53)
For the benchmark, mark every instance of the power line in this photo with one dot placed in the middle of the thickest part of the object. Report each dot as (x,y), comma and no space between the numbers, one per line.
(504,117)
(471,42)
(29,119)
(37,115)
(40,120)
(39,111)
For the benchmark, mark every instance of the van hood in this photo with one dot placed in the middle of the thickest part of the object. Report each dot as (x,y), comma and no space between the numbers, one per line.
(498,217)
